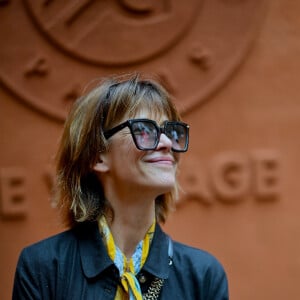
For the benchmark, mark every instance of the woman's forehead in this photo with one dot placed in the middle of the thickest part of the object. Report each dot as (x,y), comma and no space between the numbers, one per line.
(158,116)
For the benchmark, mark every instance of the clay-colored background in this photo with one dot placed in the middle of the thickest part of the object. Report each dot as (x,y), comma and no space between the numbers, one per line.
(234,72)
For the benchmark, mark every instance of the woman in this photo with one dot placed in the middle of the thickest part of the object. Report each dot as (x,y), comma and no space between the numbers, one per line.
(116,181)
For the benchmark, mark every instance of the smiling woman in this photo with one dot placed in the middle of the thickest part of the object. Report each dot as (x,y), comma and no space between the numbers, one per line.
(116,182)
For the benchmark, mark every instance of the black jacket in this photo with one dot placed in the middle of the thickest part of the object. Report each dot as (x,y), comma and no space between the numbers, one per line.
(75,265)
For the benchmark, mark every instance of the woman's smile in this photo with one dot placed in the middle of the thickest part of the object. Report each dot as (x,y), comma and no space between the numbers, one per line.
(162,160)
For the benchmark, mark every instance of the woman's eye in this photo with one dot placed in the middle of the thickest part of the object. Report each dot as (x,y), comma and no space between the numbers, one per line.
(140,131)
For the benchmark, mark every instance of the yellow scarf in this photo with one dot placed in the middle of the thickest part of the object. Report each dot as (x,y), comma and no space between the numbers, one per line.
(127,268)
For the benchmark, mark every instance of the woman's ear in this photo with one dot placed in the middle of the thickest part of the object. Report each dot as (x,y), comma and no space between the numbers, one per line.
(101,165)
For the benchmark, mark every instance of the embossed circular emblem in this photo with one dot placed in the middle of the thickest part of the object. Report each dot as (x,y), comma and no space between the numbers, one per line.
(98,32)
(60,46)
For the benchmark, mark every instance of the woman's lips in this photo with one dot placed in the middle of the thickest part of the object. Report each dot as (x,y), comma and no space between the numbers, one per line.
(161,160)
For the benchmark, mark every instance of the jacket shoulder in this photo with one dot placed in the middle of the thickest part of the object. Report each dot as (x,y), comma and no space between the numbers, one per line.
(197,261)
(206,271)
(60,243)
(38,265)
(51,244)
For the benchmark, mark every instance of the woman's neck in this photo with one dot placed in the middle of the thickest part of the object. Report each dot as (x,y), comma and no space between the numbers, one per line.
(133,213)
(130,223)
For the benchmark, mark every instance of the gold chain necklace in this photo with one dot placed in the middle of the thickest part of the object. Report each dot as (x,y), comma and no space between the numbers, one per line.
(154,289)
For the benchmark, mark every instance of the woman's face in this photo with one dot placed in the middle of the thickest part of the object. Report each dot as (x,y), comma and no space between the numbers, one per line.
(131,170)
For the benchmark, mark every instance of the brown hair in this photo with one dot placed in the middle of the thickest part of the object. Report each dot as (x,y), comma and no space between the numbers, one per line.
(79,194)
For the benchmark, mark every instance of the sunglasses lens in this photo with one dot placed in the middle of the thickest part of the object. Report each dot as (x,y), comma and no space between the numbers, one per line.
(145,134)
(178,134)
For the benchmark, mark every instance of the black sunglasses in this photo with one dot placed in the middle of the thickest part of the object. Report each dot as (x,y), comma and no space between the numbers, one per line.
(146,133)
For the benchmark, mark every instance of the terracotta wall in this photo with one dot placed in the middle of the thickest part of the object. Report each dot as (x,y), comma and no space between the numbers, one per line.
(233,66)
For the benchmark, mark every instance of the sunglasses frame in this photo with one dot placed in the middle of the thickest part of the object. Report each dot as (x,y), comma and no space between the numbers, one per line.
(160,129)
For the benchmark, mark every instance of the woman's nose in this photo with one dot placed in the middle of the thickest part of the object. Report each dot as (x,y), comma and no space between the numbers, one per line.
(164,142)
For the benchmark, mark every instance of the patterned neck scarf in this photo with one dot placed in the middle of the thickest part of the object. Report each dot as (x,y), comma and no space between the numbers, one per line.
(128,268)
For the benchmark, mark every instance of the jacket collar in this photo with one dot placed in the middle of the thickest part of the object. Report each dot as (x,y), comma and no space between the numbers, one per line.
(93,254)
(157,262)
(95,260)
